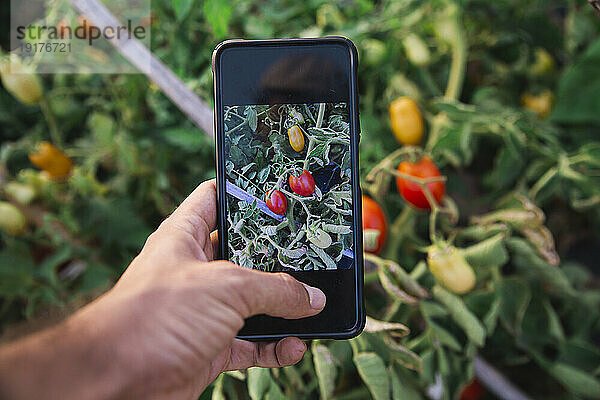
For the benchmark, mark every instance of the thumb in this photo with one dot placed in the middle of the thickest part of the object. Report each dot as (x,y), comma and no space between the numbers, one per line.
(276,294)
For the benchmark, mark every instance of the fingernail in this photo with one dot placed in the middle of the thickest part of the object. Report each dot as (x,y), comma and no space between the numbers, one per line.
(316,296)
(300,350)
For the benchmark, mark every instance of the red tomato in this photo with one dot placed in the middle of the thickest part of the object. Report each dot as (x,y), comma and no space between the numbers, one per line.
(304,185)
(473,391)
(374,225)
(276,201)
(412,192)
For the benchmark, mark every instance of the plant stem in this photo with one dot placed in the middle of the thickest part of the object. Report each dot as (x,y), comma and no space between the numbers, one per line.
(311,141)
(457,68)
(396,234)
(311,144)
(455,80)
(543,181)
(320,115)
(55,135)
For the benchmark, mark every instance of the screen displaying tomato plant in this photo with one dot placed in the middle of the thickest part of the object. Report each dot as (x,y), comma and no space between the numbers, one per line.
(289,194)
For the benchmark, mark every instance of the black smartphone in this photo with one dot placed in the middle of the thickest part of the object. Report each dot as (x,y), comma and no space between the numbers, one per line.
(288,193)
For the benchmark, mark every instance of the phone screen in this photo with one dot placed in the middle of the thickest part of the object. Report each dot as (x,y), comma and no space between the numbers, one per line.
(288,133)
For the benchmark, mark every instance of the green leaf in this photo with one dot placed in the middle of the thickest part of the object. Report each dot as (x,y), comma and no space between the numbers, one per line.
(374,374)
(96,276)
(515,296)
(403,356)
(325,369)
(555,328)
(182,8)
(577,100)
(189,140)
(217,14)
(275,392)
(461,315)
(432,310)
(259,381)
(47,269)
(402,389)
(102,127)
(486,306)
(410,285)
(487,253)
(443,336)
(217,393)
(16,271)
(576,380)
(525,257)
(393,289)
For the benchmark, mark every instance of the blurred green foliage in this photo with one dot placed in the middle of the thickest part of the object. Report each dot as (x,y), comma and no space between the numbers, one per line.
(527,188)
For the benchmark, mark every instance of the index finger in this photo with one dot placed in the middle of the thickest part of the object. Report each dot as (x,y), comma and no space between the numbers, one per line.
(199,208)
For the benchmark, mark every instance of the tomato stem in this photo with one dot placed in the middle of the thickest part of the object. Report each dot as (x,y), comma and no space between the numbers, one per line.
(418,181)
(380,181)
(311,141)
(51,120)
(320,115)
(543,181)
(290,216)
(398,231)
(455,80)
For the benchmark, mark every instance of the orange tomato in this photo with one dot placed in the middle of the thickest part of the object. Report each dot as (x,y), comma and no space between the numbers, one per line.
(412,192)
(52,160)
(374,225)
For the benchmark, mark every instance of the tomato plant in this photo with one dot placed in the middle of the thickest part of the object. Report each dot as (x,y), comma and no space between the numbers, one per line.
(316,233)
(414,193)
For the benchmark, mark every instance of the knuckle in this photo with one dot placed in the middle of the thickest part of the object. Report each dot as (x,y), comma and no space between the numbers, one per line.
(291,286)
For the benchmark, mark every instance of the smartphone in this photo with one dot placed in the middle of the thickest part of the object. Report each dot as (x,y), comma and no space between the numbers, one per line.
(288,193)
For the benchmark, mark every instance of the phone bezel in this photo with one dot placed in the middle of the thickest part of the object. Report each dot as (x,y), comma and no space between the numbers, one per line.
(357,194)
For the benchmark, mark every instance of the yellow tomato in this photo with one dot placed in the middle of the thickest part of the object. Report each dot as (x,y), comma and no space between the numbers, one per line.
(540,104)
(20,81)
(406,121)
(12,220)
(22,193)
(416,50)
(451,269)
(296,138)
(543,63)
(50,159)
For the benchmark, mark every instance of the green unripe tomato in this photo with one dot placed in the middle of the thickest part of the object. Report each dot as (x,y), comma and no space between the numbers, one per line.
(12,220)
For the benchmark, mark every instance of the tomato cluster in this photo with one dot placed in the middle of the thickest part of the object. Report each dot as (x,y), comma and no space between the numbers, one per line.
(302,185)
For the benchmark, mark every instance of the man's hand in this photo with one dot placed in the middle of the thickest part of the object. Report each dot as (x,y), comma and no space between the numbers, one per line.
(167,328)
